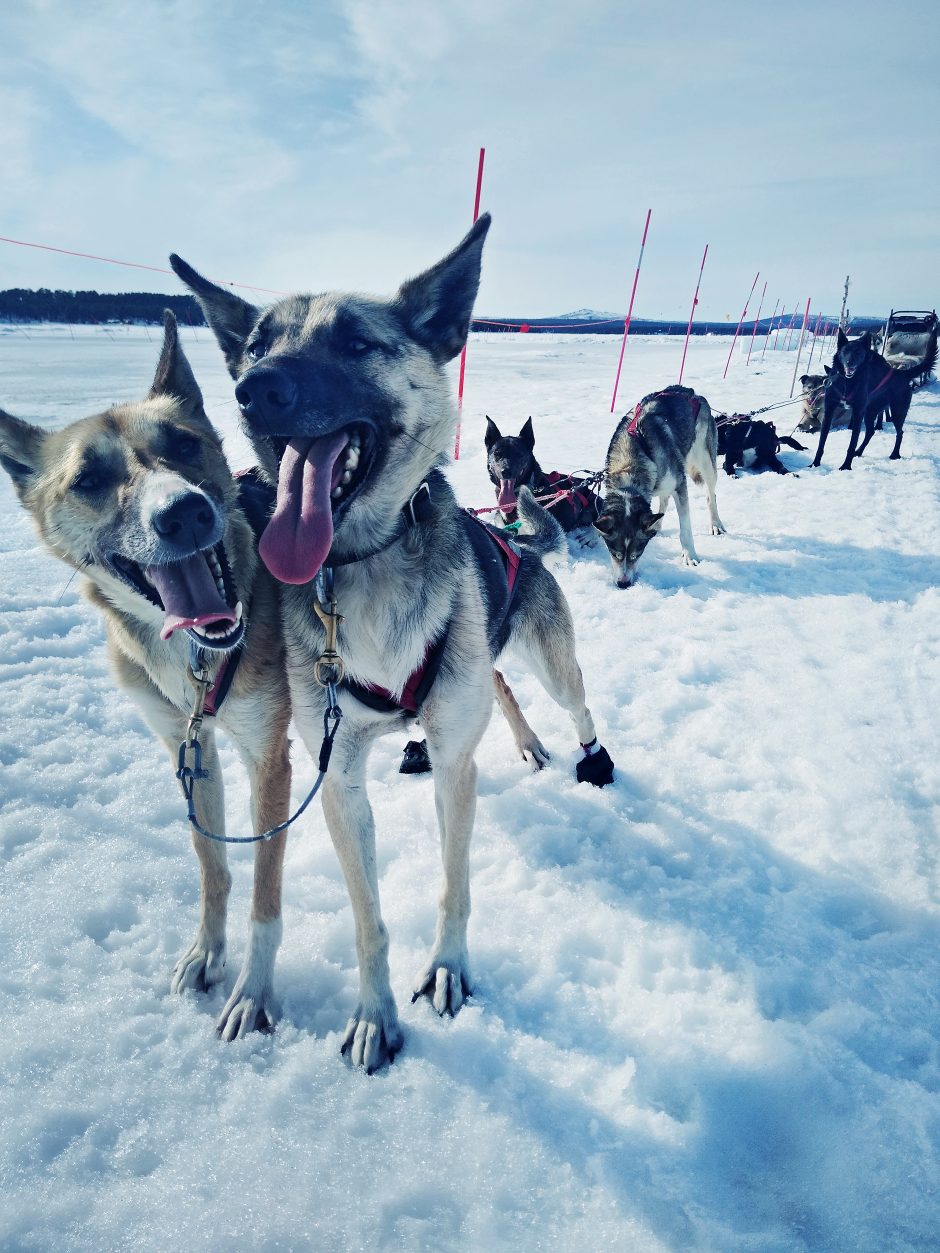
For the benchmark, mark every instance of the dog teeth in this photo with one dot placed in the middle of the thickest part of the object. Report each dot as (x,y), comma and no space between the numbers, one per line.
(238,612)
(346,478)
(352,458)
(336,493)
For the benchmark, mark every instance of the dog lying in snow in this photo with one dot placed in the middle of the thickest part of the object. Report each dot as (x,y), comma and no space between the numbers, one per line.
(350,410)
(141,501)
(739,433)
(511,464)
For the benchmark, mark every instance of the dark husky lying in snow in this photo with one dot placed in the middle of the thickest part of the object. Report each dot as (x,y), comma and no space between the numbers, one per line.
(864,383)
(141,501)
(669,434)
(511,464)
(350,410)
(740,433)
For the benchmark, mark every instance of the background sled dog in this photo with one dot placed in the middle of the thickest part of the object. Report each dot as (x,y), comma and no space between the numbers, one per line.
(738,434)
(668,434)
(348,405)
(864,383)
(511,464)
(141,501)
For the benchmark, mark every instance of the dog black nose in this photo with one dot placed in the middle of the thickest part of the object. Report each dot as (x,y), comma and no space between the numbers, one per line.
(187,521)
(266,393)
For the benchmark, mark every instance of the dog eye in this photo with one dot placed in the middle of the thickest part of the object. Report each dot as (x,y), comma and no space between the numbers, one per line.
(618,556)
(89,482)
(359,345)
(184,446)
(257,350)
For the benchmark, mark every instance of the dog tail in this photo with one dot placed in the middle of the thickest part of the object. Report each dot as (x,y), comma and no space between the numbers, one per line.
(540,532)
(790,442)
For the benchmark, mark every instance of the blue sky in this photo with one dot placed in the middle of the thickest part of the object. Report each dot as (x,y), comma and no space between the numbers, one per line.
(319,145)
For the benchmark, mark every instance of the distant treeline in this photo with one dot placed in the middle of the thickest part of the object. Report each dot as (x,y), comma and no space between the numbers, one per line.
(19,304)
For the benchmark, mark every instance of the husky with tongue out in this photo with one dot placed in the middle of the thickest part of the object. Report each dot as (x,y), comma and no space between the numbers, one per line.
(141,501)
(351,413)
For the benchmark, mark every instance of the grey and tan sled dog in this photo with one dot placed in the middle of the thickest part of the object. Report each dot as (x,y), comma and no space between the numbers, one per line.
(670,434)
(350,410)
(141,501)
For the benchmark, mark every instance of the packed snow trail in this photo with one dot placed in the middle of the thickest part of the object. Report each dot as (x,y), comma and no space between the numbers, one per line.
(706,1008)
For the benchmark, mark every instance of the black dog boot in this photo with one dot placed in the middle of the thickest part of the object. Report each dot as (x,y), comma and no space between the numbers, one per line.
(415,759)
(595,766)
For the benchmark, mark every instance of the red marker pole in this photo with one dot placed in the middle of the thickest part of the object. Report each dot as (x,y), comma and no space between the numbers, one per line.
(756,320)
(626,325)
(463,354)
(740,324)
(770,327)
(800,347)
(692,314)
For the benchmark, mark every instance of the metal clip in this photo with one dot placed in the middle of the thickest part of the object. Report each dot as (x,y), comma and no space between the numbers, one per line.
(201,680)
(329,668)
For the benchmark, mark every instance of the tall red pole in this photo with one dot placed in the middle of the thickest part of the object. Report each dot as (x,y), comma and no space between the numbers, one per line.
(626,325)
(740,324)
(756,320)
(692,314)
(463,354)
(770,327)
(796,364)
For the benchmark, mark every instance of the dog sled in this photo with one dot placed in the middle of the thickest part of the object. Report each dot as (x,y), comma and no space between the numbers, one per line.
(910,343)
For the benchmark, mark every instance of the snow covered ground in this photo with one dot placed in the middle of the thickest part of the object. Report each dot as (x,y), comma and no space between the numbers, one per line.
(706,1011)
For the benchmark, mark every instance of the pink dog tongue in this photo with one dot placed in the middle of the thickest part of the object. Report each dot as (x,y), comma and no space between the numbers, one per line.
(189,594)
(297,539)
(507,495)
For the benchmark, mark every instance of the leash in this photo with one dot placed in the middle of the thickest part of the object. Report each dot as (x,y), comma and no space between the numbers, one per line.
(328,672)
(547,499)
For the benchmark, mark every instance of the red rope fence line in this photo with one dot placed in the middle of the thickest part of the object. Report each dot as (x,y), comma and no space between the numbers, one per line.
(132,265)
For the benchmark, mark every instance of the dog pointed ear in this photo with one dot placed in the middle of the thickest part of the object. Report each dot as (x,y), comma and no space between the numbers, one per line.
(436,306)
(174,376)
(604,524)
(649,522)
(841,339)
(828,369)
(230,317)
(20,450)
(527,435)
(804,378)
(492,435)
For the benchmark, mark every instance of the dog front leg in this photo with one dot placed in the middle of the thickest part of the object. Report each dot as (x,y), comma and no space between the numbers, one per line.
(829,404)
(373,1035)
(853,438)
(203,963)
(252,1005)
(681,494)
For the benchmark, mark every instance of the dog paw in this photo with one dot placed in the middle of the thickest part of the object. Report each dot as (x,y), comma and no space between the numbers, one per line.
(247,1009)
(718,528)
(536,754)
(446,984)
(690,559)
(200,967)
(597,768)
(846,465)
(816,464)
(373,1038)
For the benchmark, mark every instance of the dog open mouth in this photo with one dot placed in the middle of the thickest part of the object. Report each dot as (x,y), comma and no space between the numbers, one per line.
(506,500)
(317,479)
(196,594)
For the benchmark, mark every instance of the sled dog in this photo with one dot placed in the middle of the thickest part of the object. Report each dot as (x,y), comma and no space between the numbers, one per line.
(868,387)
(739,434)
(350,411)
(669,434)
(141,501)
(511,464)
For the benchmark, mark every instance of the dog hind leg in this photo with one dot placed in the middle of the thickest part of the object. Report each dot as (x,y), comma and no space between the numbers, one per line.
(528,743)
(709,472)
(689,555)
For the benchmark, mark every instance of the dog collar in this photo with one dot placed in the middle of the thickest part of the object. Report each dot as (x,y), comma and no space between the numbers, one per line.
(417,509)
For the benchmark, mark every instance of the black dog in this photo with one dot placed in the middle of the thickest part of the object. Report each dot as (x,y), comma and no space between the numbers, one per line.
(511,464)
(863,381)
(738,433)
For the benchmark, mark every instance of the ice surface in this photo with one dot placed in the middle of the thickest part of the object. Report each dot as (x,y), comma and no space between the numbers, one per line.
(706,1011)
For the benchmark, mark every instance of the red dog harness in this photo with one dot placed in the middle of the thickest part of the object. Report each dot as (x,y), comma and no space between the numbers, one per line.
(632,429)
